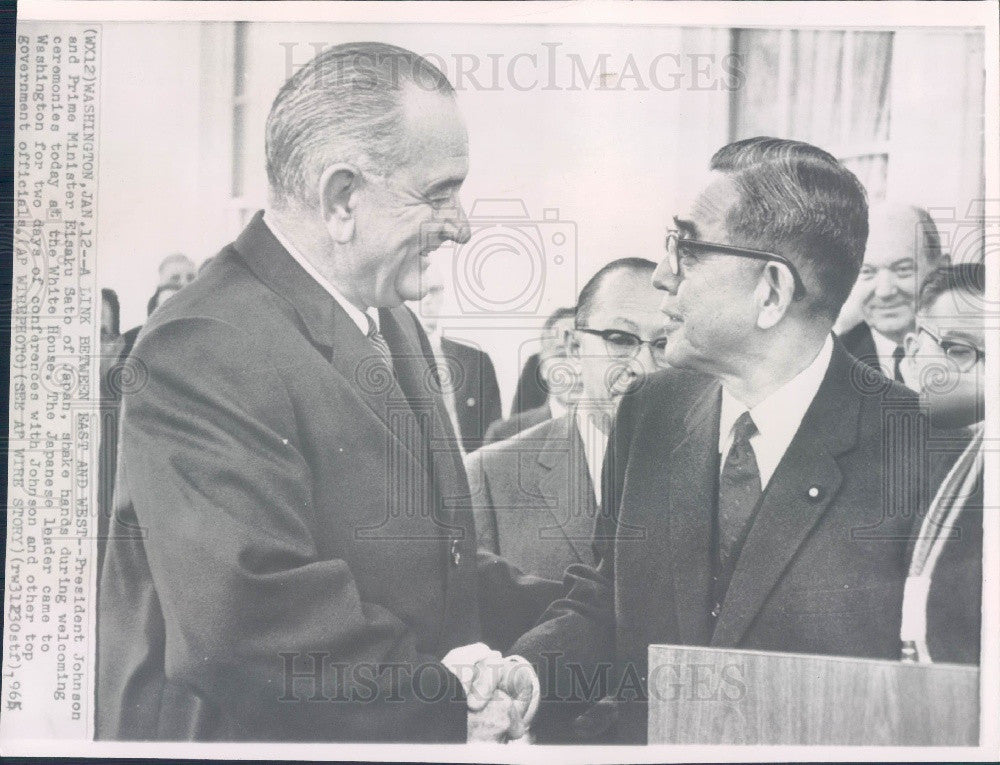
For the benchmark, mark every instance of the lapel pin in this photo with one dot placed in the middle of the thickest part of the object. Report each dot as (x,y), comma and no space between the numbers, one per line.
(815,492)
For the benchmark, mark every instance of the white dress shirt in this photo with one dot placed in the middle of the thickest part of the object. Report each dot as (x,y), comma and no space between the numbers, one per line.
(777,417)
(356,314)
(885,347)
(595,442)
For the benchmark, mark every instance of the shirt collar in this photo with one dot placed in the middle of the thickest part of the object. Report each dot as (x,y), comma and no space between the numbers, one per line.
(436,336)
(358,316)
(779,415)
(595,441)
(884,348)
(556,407)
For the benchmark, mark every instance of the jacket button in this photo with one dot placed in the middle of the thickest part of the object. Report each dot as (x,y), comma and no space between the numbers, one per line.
(470,402)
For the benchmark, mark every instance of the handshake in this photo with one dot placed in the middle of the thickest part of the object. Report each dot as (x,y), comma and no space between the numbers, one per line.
(502,693)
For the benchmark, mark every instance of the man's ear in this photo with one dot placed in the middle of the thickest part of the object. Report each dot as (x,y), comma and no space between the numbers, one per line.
(571,341)
(775,288)
(337,186)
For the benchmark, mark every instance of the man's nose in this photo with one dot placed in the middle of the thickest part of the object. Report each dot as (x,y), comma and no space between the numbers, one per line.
(644,362)
(456,228)
(885,283)
(665,279)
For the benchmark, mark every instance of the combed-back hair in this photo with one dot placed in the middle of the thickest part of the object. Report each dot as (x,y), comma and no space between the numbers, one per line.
(345,105)
(961,277)
(588,295)
(799,201)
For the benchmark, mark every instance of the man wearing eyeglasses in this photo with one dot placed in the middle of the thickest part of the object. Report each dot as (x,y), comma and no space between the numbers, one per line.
(903,246)
(942,603)
(744,486)
(536,495)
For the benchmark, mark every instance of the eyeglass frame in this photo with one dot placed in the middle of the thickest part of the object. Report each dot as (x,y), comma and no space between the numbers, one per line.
(674,261)
(941,341)
(603,333)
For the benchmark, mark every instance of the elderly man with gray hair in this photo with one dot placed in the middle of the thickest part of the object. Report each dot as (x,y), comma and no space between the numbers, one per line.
(292,556)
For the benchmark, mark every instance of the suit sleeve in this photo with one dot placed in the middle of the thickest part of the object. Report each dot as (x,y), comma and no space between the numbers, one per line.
(487,536)
(221,486)
(573,644)
(491,393)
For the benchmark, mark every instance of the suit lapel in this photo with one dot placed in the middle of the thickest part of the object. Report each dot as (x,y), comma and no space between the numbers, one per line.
(467,378)
(692,488)
(564,484)
(415,368)
(862,345)
(324,322)
(802,487)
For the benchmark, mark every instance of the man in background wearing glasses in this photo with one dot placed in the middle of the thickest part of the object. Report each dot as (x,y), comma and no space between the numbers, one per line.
(942,605)
(903,247)
(536,495)
(744,486)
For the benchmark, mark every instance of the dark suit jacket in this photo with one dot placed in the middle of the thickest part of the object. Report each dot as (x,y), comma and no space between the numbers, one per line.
(859,343)
(476,392)
(291,523)
(504,429)
(954,602)
(532,392)
(533,498)
(821,571)
(116,374)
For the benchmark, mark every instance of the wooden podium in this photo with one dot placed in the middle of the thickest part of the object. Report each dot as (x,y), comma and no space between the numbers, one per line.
(722,696)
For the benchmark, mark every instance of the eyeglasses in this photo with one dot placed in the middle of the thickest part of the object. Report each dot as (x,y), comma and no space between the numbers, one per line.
(622,344)
(962,354)
(678,245)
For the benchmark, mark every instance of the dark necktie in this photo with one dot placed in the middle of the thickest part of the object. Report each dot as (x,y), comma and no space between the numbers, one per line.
(739,493)
(897,357)
(378,341)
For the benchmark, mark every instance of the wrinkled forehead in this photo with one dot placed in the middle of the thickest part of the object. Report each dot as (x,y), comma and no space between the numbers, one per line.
(627,296)
(892,237)
(434,122)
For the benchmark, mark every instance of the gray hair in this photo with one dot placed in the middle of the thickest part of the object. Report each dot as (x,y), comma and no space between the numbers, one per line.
(800,199)
(345,105)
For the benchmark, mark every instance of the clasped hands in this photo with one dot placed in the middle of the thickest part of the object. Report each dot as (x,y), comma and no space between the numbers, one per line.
(502,693)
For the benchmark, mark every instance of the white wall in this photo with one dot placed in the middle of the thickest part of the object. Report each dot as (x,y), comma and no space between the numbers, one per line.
(148,158)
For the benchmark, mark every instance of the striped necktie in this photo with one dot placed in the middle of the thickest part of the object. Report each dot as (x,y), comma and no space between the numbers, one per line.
(897,359)
(378,341)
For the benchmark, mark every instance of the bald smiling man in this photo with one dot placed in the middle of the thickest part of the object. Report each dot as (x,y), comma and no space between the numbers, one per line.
(903,246)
